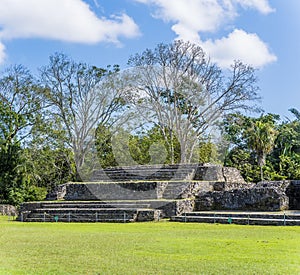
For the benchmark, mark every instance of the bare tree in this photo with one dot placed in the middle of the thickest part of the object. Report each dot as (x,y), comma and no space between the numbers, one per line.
(177,88)
(80,97)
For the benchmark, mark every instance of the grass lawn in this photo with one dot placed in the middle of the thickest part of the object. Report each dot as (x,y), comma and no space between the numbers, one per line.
(147,248)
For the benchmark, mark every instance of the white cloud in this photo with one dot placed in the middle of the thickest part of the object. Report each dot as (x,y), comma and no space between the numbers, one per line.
(260,5)
(239,45)
(197,15)
(191,18)
(64,20)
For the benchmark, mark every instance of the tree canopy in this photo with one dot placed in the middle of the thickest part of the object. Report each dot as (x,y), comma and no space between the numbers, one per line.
(178,89)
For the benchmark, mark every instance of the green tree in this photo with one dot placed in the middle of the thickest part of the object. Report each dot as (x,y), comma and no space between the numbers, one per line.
(261,135)
(48,167)
(20,105)
(104,149)
(251,141)
(125,148)
(176,88)
(20,111)
(207,152)
(286,156)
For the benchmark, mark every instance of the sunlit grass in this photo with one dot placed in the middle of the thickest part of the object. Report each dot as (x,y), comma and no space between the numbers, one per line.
(147,248)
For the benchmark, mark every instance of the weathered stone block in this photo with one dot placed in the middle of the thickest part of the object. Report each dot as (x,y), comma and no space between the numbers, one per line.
(6,209)
(232,175)
(145,215)
(258,198)
(109,191)
(209,173)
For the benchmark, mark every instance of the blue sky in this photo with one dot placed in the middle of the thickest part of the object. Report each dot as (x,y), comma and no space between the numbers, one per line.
(262,33)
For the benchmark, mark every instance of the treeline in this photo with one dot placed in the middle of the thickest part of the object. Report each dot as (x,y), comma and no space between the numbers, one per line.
(170,105)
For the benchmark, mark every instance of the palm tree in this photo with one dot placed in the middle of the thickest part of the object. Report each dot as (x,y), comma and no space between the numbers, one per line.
(296,113)
(261,136)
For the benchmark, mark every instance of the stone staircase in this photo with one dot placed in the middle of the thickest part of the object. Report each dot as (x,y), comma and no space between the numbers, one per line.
(246,218)
(128,194)
(175,172)
(96,204)
(103,211)
(90,212)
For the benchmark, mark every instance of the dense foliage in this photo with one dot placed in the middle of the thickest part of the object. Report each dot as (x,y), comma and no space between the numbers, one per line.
(264,147)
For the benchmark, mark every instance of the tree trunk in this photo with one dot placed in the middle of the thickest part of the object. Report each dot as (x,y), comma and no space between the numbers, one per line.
(261,173)
(261,160)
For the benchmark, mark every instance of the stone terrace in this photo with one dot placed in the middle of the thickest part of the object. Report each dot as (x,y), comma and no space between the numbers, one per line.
(185,193)
(137,193)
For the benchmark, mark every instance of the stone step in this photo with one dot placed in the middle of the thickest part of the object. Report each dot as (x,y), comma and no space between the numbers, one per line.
(275,215)
(143,175)
(168,207)
(143,171)
(137,178)
(96,205)
(81,219)
(86,210)
(240,218)
(140,172)
(235,220)
(154,167)
(203,172)
(73,214)
(90,214)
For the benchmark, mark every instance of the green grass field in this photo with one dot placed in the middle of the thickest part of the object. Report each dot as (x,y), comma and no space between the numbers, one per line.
(147,248)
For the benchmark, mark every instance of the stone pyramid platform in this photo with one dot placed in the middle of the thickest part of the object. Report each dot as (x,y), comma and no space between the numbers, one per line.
(127,194)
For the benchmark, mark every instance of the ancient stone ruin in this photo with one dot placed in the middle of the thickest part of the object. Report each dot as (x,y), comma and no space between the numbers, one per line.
(153,192)
(8,210)
(263,196)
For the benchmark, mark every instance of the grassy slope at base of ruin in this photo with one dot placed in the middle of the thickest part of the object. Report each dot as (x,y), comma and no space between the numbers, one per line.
(147,248)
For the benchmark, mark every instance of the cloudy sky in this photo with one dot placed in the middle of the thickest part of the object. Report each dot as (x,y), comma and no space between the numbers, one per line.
(262,33)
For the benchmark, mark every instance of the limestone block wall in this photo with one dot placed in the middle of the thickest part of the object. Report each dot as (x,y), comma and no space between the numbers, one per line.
(133,190)
(110,191)
(171,208)
(58,193)
(263,199)
(232,175)
(290,187)
(204,178)
(226,186)
(6,209)
(263,196)
(208,172)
